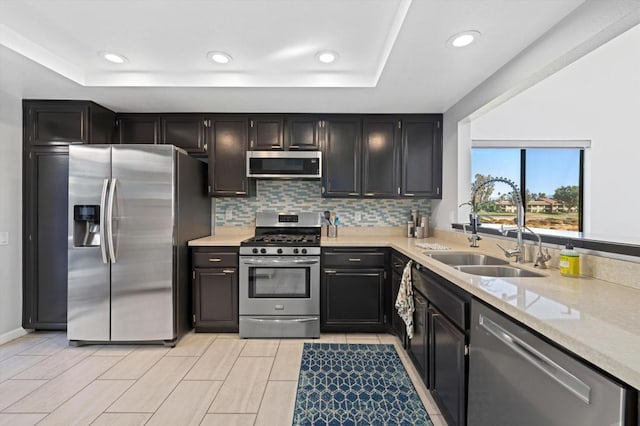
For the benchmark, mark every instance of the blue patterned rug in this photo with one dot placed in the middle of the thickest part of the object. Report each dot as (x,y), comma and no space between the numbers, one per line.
(353,384)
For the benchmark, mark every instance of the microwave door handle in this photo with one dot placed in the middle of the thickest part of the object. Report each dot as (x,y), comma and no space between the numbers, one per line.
(103,219)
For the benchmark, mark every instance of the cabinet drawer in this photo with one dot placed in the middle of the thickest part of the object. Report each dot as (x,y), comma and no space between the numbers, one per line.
(452,306)
(357,259)
(214,260)
(398,263)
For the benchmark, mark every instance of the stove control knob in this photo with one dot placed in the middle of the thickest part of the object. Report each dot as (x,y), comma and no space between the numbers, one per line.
(295,251)
(279,251)
(255,250)
(304,251)
(263,251)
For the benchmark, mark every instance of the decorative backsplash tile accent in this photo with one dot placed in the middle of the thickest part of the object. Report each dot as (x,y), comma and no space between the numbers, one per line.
(300,195)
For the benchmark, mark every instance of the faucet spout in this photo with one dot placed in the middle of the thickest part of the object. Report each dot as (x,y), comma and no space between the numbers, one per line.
(518,250)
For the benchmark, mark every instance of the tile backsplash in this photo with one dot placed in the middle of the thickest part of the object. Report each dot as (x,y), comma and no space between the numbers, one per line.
(301,195)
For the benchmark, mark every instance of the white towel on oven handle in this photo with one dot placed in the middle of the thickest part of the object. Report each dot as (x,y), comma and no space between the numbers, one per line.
(404,301)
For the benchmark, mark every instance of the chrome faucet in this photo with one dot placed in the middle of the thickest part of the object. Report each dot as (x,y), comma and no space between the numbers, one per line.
(516,252)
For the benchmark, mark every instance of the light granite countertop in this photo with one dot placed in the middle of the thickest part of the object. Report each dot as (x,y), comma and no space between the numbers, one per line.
(595,319)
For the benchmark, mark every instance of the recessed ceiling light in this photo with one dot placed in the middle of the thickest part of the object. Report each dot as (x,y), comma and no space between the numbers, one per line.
(463,39)
(219,57)
(326,56)
(113,57)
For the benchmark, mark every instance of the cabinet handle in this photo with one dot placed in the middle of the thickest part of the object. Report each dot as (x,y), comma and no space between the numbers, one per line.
(398,190)
(294,146)
(215,259)
(229,271)
(354,259)
(397,265)
(354,194)
(409,195)
(241,192)
(323,189)
(369,194)
(251,123)
(326,271)
(438,191)
(275,146)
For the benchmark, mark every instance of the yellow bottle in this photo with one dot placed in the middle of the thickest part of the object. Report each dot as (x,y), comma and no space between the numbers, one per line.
(569,262)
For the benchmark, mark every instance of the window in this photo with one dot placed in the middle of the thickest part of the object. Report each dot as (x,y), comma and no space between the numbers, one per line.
(550,181)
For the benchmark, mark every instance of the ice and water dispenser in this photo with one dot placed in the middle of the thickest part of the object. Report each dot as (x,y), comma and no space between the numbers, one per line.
(86,225)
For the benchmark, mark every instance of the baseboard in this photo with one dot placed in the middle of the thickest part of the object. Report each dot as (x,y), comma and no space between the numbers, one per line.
(13,334)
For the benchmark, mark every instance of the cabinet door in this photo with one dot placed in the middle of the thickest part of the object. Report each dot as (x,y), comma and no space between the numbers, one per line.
(227,157)
(216,299)
(421,158)
(379,157)
(448,368)
(185,131)
(266,133)
(303,133)
(419,345)
(353,297)
(142,128)
(397,323)
(45,238)
(341,158)
(56,123)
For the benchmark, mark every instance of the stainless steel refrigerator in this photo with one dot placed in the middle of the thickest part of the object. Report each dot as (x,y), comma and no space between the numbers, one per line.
(132,209)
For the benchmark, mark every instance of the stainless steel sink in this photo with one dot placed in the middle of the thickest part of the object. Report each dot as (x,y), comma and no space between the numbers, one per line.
(464,258)
(497,271)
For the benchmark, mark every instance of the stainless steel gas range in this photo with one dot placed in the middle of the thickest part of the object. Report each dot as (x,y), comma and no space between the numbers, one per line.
(280,276)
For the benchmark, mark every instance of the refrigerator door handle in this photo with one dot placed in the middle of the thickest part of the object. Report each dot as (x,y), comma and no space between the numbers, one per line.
(103,225)
(112,194)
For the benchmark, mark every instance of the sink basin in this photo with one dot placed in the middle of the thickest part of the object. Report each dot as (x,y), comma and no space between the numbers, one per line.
(497,271)
(464,258)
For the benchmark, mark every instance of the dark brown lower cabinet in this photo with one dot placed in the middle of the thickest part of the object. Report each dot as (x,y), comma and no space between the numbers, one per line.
(448,381)
(45,238)
(439,348)
(352,300)
(216,296)
(419,345)
(215,289)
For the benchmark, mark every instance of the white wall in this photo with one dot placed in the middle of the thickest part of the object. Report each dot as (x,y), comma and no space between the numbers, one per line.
(595,98)
(10,215)
(591,25)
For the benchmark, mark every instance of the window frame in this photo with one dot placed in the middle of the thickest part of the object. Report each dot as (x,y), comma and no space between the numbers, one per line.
(523,146)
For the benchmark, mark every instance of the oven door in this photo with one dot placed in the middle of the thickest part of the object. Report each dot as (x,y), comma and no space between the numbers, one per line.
(279,285)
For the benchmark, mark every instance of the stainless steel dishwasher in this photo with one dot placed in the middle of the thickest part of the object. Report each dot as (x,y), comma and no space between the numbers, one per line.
(516,378)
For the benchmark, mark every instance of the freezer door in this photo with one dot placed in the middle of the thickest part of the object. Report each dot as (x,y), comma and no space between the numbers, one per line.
(88,278)
(141,242)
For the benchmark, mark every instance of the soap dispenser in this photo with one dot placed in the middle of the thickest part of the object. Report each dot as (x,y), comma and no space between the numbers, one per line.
(569,261)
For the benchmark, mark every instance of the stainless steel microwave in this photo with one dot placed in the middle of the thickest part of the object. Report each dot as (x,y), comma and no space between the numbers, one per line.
(284,164)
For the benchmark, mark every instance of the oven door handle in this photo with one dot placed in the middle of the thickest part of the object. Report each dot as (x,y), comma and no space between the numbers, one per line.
(255,262)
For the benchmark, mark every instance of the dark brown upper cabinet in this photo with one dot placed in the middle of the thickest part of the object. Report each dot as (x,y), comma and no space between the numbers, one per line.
(421,153)
(380,138)
(341,176)
(64,122)
(266,133)
(186,131)
(138,128)
(303,133)
(228,156)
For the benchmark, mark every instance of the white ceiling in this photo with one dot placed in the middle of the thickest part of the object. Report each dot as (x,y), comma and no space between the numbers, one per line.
(393,56)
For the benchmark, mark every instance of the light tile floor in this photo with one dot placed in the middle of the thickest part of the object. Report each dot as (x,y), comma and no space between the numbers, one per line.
(207,379)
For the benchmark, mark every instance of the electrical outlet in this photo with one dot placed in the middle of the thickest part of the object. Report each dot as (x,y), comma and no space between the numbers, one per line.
(4,238)
(228,214)
(358,216)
